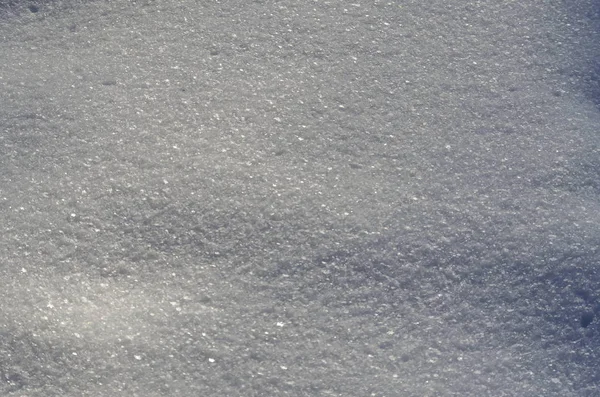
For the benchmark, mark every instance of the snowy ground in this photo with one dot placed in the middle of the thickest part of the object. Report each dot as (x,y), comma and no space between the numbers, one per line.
(299,198)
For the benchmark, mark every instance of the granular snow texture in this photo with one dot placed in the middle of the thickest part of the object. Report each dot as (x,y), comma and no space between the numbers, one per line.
(299,198)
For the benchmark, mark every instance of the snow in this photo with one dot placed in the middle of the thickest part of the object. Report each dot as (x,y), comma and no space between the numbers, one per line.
(299,198)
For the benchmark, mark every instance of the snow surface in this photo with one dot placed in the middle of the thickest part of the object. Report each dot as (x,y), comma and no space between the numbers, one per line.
(299,198)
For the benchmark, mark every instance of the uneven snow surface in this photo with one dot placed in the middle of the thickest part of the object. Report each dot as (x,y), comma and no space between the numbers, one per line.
(299,198)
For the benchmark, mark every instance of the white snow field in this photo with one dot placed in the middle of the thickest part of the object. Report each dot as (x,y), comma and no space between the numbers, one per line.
(299,198)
